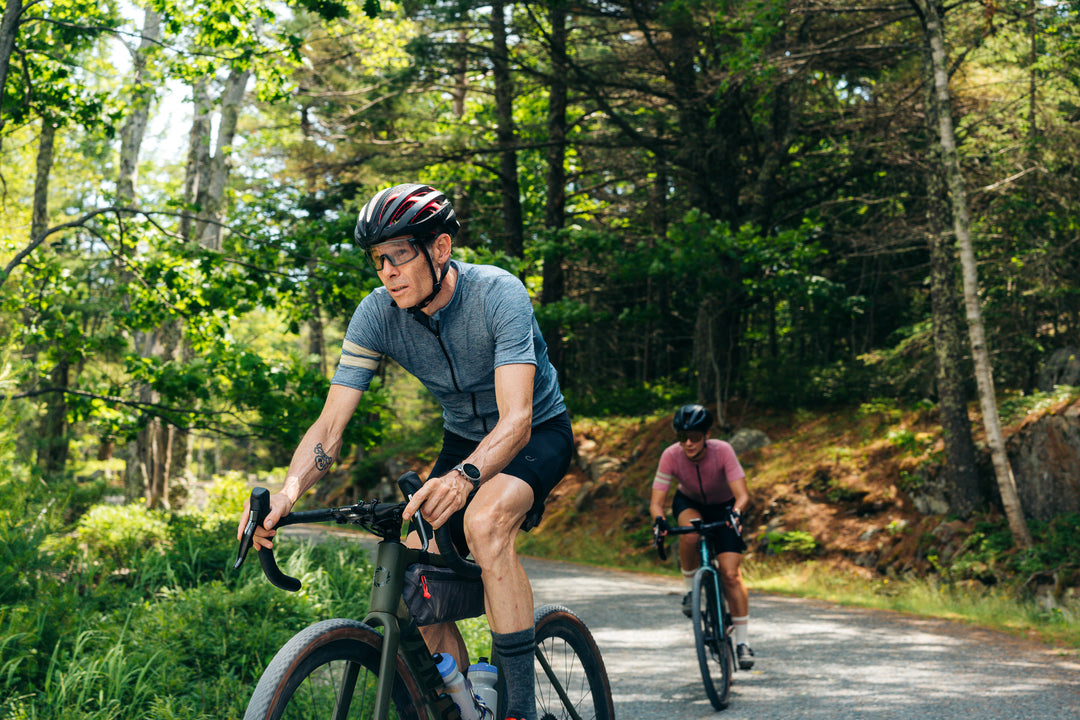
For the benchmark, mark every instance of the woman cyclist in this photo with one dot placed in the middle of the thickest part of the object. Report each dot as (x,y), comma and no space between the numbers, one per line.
(711,485)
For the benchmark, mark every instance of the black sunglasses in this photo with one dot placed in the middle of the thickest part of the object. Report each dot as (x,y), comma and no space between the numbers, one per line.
(694,436)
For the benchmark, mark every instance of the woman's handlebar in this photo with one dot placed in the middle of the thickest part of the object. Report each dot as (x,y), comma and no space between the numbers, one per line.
(696,526)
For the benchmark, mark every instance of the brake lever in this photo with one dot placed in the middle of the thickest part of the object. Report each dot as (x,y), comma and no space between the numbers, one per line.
(248,537)
(421,529)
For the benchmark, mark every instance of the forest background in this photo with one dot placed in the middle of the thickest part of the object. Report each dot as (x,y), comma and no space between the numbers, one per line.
(769,207)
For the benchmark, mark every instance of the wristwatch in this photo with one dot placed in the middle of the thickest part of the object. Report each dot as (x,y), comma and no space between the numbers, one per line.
(470,473)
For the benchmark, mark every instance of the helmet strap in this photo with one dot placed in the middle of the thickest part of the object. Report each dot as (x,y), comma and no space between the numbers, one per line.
(436,279)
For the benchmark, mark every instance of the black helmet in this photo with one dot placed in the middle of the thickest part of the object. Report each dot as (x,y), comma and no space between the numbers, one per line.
(409,209)
(692,417)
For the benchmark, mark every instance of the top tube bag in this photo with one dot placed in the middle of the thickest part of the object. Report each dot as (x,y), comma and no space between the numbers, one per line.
(438,594)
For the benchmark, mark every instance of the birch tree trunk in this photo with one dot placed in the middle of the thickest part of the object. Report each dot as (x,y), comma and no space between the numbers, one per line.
(1010,500)
(133,130)
(212,201)
(149,466)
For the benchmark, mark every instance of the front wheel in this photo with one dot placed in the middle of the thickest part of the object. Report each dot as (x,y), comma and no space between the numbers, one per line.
(571,681)
(713,646)
(329,671)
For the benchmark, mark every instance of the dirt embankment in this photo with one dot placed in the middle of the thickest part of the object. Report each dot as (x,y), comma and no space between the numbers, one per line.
(847,482)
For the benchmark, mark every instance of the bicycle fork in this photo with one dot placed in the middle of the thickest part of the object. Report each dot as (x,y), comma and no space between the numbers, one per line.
(400,633)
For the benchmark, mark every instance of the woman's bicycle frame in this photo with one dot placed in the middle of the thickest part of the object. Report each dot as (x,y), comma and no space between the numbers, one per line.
(343,668)
(713,629)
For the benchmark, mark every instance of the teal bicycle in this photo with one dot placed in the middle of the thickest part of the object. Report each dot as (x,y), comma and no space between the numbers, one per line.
(714,632)
(380,668)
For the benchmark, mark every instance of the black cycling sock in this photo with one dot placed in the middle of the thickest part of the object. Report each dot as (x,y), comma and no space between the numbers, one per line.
(515,651)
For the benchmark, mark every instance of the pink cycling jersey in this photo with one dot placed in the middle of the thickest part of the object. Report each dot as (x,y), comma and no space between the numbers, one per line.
(705,481)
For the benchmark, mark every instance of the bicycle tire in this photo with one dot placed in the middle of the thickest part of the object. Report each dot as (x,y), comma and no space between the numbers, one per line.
(713,646)
(307,673)
(571,654)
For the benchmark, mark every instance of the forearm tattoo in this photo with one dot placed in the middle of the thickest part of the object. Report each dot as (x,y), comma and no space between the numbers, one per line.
(322,460)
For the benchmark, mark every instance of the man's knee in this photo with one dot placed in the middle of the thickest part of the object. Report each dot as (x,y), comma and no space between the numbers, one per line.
(491,532)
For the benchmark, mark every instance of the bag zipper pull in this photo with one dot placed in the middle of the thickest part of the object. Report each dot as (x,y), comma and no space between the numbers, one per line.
(423,584)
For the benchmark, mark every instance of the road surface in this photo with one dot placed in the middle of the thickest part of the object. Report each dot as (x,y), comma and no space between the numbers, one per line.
(814,660)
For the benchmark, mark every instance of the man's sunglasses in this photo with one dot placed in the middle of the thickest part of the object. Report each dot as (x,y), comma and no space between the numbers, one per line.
(397,253)
(693,436)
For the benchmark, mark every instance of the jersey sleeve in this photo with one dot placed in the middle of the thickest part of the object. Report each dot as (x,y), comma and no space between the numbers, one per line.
(512,319)
(360,350)
(733,470)
(665,472)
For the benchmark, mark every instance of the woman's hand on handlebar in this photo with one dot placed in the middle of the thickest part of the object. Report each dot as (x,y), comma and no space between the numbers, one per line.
(280,506)
(438,499)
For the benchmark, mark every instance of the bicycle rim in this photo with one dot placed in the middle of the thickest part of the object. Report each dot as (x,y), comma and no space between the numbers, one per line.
(571,681)
(713,647)
(329,671)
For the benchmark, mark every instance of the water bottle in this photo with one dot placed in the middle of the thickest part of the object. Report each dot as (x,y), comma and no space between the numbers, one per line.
(483,675)
(457,687)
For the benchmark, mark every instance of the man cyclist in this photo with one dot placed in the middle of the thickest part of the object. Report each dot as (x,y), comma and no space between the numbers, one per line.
(711,485)
(468,332)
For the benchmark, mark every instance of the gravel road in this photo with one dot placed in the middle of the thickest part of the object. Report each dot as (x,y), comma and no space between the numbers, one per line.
(814,660)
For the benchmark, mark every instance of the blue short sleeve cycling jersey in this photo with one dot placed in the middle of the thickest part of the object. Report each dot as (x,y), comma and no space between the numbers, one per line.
(489,322)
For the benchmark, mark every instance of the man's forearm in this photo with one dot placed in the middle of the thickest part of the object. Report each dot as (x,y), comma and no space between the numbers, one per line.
(314,457)
(500,446)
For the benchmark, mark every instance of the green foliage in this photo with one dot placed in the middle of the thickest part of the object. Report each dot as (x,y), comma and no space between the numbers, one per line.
(792,542)
(227,494)
(120,533)
(149,621)
(1016,406)
(632,400)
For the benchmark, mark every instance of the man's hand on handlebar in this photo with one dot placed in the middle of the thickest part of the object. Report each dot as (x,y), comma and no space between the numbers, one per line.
(438,499)
(660,527)
(280,506)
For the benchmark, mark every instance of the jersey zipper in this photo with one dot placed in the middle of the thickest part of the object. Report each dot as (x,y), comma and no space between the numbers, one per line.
(701,485)
(424,320)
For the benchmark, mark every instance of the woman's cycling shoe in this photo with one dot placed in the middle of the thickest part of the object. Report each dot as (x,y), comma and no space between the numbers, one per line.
(745,655)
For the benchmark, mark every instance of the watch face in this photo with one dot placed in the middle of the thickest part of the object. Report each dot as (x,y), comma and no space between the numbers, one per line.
(470,471)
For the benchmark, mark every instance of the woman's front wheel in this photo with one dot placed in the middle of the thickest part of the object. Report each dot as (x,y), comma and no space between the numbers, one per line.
(713,646)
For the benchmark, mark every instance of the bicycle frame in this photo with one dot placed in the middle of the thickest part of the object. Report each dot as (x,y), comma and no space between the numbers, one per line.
(388,611)
(389,617)
(705,551)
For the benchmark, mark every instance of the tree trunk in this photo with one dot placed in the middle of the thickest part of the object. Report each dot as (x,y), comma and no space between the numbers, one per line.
(712,357)
(212,202)
(153,442)
(142,96)
(55,444)
(197,167)
(554,280)
(930,13)
(505,134)
(961,465)
(9,28)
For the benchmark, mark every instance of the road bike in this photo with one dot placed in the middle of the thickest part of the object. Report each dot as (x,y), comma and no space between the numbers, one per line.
(380,668)
(714,633)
